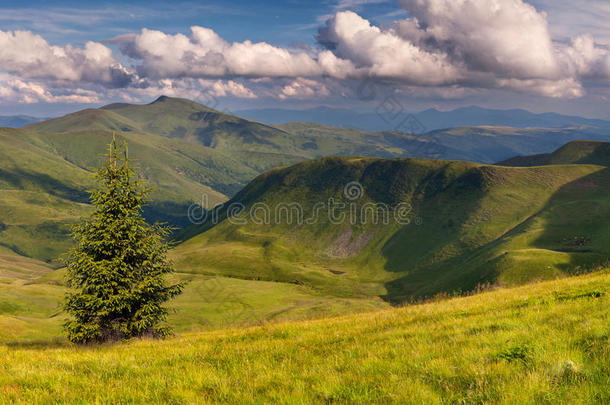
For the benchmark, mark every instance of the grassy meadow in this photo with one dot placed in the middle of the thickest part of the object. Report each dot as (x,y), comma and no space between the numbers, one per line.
(547,342)
(31,296)
(319,312)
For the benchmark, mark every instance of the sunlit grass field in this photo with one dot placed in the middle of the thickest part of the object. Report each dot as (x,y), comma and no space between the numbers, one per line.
(542,343)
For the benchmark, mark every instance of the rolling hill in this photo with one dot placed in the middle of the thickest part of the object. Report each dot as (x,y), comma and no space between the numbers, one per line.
(185,150)
(469,224)
(577,152)
(462,226)
(257,145)
(260,146)
(44,180)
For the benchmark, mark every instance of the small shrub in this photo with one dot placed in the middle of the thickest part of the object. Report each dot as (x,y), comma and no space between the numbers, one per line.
(519,353)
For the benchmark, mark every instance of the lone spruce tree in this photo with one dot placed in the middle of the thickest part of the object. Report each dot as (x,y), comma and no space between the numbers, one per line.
(118,266)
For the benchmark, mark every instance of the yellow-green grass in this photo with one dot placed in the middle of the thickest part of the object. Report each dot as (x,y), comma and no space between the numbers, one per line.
(540,343)
(15,267)
(31,302)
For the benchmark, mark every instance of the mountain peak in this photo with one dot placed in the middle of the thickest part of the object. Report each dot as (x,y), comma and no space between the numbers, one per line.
(161,99)
(178,101)
(165,99)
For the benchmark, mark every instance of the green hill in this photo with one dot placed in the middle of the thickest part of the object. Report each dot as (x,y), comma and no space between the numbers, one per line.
(470,224)
(186,151)
(577,152)
(44,180)
(316,238)
(260,146)
(257,145)
(541,343)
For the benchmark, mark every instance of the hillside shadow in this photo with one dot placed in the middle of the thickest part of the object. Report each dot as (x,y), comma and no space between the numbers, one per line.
(439,208)
(576,224)
(27,180)
(174,214)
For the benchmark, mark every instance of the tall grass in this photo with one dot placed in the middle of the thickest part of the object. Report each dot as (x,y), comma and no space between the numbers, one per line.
(542,343)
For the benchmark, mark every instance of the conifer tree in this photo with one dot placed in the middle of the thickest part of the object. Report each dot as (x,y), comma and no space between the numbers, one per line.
(117,268)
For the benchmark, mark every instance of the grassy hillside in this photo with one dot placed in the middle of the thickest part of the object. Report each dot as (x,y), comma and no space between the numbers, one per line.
(542,343)
(470,224)
(44,180)
(261,146)
(32,292)
(577,152)
(185,151)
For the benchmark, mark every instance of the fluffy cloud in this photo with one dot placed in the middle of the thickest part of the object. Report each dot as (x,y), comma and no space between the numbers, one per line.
(30,56)
(564,88)
(444,47)
(15,90)
(303,88)
(503,44)
(383,54)
(508,38)
(207,91)
(584,59)
(221,88)
(205,54)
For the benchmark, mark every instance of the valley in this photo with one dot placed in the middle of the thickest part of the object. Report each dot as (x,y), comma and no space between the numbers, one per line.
(468,226)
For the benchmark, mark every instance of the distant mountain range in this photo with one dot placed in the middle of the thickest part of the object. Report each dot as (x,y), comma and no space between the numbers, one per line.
(387,119)
(18,121)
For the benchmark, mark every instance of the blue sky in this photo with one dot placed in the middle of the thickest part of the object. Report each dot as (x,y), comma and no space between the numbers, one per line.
(541,55)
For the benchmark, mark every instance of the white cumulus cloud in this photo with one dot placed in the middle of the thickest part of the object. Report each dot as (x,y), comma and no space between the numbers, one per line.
(205,54)
(303,88)
(30,56)
(382,53)
(16,90)
(447,47)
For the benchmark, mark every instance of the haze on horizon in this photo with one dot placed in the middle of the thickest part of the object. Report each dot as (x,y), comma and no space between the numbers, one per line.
(543,55)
